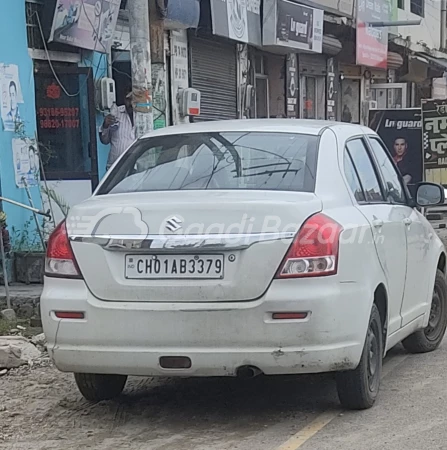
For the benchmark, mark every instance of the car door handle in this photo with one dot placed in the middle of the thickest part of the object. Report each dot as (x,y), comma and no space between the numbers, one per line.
(377,223)
(407,221)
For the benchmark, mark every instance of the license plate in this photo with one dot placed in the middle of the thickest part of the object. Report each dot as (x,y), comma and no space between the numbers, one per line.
(174,266)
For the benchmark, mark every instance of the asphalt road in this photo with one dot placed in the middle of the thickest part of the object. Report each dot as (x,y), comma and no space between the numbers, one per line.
(41,409)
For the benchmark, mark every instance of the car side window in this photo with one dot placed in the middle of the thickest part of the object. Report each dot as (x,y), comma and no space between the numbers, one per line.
(352,178)
(365,169)
(393,185)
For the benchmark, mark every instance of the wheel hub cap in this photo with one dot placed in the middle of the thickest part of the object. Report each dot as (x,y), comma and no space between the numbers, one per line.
(434,327)
(373,359)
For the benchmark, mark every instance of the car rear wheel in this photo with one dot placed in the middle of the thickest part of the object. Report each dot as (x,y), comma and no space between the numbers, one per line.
(96,387)
(429,339)
(358,389)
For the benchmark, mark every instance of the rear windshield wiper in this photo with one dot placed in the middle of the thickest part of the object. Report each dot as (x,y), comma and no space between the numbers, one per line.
(271,172)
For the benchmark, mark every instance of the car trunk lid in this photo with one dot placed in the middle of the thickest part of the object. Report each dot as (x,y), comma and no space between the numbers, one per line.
(185,246)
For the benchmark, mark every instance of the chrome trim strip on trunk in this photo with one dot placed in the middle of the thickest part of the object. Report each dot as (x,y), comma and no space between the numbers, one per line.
(185,243)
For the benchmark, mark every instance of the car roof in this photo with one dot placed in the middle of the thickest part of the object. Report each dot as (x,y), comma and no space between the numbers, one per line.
(304,126)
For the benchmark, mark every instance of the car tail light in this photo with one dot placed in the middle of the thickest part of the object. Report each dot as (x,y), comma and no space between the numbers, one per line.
(314,251)
(60,261)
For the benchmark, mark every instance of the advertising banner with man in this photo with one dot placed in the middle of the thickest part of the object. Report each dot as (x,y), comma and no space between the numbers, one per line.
(372,42)
(434,118)
(401,131)
(88,24)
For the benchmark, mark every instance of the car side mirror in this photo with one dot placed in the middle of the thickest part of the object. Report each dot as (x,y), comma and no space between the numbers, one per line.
(429,194)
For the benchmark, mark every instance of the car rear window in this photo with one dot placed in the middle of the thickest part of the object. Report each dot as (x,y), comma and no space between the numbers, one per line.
(230,160)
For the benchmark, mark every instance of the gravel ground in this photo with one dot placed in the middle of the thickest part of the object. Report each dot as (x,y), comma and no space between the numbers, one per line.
(41,409)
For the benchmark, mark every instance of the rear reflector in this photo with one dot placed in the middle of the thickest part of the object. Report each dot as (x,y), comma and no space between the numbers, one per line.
(175,362)
(69,315)
(289,316)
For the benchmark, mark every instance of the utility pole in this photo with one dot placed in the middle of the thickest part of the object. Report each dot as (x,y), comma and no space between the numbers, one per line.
(443,24)
(160,106)
(140,55)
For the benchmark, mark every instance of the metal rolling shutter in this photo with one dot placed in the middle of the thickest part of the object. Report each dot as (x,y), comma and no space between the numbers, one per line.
(213,73)
(312,64)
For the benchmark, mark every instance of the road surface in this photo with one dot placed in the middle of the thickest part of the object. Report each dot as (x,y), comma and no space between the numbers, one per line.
(42,409)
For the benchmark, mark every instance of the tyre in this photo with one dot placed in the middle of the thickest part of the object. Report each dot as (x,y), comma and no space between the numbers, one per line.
(429,339)
(95,387)
(358,389)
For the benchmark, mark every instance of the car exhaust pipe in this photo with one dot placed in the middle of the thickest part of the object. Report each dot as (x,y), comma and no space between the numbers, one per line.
(247,372)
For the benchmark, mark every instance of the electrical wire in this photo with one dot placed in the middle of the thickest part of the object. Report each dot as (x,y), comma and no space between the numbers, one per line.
(95,33)
(47,53)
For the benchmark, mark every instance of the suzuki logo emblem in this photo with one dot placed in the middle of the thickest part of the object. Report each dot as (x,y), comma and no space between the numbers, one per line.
(174,224)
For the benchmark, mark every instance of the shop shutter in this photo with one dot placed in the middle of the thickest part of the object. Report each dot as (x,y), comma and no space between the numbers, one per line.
(213,73)
(312,64)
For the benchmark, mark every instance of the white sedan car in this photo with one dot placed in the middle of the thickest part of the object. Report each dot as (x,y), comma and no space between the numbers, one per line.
(246,247)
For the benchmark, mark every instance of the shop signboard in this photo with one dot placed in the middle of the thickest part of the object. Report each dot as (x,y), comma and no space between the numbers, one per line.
(294,26)
(343,8)
(331,90)
(292,86)
(434,124)
(372,42)
(401,131)
(239,20)
(88,24)
(394,16)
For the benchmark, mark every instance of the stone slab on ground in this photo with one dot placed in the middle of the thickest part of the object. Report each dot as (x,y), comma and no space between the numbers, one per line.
(15,351)
(25,299)
(8,314)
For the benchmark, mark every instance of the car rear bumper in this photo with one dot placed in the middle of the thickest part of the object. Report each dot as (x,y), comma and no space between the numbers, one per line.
(129,338)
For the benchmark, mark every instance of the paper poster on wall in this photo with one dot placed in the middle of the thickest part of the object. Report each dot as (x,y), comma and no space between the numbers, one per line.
(26,162)
(11,96)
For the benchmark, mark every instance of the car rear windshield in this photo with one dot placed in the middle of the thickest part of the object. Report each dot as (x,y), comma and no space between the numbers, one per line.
(225,160)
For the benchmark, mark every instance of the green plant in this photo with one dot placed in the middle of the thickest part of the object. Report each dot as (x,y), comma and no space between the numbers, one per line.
(6,327)
(58,199)
(26,240)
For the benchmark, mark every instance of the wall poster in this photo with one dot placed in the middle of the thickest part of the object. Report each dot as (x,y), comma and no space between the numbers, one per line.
(11,97)
(26,162)
(401,131)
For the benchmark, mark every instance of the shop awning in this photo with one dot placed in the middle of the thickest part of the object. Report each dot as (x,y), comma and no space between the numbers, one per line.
(437,63)
(331,45)
(395,61)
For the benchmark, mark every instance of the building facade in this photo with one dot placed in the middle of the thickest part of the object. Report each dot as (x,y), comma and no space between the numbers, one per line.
(18,121)
(315,59)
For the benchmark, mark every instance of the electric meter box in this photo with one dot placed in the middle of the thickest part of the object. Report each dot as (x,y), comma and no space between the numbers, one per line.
(189,102)
(107,93)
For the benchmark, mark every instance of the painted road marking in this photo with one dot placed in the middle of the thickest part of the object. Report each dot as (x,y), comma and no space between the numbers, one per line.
(300,438)
(297,440)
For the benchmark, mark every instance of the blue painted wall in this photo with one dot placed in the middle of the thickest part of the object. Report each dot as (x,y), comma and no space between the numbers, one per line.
(14,50)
